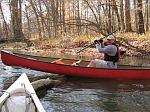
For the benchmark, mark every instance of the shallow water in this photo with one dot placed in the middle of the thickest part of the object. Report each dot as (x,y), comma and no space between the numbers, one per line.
(78,94)
(99,95)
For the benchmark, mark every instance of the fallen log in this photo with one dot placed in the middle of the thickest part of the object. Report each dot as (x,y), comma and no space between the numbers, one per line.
(38,82)
(45,83)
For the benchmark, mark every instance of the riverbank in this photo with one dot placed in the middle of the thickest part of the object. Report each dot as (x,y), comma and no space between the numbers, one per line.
(133,44)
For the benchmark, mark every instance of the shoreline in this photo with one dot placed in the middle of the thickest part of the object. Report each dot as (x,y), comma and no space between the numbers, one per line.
(132,48)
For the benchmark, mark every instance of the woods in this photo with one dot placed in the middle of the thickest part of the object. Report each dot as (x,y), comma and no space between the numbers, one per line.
(44,19)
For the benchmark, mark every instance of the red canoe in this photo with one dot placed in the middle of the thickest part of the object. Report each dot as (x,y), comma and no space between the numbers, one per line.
(66,67)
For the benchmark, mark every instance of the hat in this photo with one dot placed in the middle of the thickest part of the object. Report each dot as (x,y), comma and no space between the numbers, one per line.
(110,37)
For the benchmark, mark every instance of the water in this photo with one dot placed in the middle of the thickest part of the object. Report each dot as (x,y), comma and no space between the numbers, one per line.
(78,94)
(99,95)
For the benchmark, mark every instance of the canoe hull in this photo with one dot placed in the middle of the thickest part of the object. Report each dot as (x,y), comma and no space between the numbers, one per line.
(21,87)
(13,60)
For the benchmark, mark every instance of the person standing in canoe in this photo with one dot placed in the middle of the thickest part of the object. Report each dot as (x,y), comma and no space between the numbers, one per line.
(111,53)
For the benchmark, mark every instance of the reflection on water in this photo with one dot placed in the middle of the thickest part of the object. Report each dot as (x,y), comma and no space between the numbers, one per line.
(78,94)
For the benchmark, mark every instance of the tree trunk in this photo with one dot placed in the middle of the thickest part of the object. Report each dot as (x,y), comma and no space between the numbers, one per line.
(28,22)
(54,5)
(78,18)
(16,19)
(109,29)
(135,11)
(147,15)
(127,16)
(5,24)
(63,15)
(37,18)
(42,20)
(49,16)
(117,13)
(122,15)
(140,15)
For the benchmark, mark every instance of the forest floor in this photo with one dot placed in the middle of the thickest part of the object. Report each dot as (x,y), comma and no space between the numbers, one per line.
(133,44)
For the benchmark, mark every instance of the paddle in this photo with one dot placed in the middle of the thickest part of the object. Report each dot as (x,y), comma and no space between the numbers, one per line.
(93,43)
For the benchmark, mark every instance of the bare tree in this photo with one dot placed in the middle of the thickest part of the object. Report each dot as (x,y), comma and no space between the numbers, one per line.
(28,21)
(117,13)
(141,29)
(5,24)
(127,16)
(37,18)
(16,19)
(135,13)
(147,15)
(53,18)
(122,15)
(63,14)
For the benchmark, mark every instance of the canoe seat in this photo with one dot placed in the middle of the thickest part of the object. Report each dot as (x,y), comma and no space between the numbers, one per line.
(58,61)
